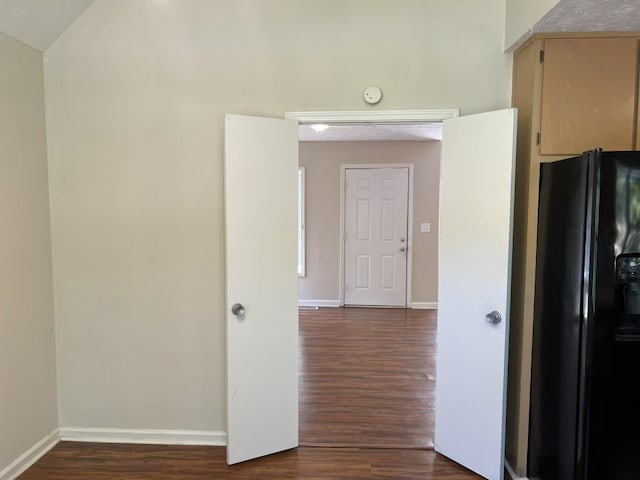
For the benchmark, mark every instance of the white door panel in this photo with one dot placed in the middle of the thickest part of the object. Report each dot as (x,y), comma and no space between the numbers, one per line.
(376,207)
(261,171)
(474,263)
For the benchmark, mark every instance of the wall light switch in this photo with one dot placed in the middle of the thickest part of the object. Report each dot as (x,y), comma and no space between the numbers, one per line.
(425,227)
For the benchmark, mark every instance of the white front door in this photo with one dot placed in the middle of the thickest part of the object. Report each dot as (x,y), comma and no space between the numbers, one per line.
(261,171)
(375,236)
(474,264)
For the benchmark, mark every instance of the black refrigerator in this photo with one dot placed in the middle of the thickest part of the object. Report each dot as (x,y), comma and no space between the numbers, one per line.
(585,387)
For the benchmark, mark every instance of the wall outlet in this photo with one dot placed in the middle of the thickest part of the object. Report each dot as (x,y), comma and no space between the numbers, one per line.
(425,227)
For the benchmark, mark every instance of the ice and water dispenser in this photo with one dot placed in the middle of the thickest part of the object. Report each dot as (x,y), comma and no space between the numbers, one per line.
(628,296)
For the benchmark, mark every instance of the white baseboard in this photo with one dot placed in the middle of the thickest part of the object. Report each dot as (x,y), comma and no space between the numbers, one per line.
(319,303)
(512,474)
(424,305)
(158,437)
(31,456)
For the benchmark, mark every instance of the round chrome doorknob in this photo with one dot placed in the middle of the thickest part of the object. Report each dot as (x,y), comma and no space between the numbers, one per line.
(237,309)
(494,317)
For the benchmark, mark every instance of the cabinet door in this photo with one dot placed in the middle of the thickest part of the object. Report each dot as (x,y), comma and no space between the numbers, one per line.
(588,94)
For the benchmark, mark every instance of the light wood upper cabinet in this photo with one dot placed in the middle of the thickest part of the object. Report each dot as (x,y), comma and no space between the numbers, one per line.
(589,90)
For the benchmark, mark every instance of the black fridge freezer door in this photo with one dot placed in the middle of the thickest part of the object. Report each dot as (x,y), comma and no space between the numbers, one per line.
(563,224)
(585,389)
(613,414)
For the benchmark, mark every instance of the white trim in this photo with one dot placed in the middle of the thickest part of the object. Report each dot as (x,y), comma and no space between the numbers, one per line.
(319,303)
(512,474)
(374,116)
(302,223)
(132,435)
(343,173)
(410,238)
(424,305)
(31,456)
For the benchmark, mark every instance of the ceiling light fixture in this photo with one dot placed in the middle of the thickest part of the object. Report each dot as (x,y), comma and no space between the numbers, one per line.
(319,127)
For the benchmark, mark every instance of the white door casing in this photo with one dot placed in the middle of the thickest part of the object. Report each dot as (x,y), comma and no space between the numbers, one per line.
(474,263)
(463,425)
(376,236)
(261,170)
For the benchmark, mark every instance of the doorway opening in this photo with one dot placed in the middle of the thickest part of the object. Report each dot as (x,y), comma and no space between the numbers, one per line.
(332,142)
(368,374)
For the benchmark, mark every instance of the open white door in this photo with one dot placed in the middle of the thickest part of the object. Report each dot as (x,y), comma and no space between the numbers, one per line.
(474,264)
(261,171)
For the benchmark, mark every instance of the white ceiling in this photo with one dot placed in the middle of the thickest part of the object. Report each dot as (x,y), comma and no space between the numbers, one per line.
(38,23)
(422,132)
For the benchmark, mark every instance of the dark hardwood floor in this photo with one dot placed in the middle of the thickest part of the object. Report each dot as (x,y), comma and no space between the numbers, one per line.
(91,461)
(367,377)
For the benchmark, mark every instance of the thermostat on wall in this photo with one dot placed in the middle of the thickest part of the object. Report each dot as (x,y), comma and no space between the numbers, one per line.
(372,95)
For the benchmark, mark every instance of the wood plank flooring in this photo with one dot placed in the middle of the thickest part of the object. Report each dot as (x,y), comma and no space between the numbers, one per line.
(367,377)
(91,461)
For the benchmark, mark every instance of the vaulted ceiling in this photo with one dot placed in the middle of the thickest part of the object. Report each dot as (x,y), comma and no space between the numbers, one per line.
(38,23)
(591,16)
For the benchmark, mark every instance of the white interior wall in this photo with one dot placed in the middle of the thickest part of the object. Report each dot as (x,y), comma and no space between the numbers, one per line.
(28,404)
(135,96)
(522,15)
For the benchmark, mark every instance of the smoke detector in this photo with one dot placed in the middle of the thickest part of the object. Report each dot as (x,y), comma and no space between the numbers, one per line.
(372,95)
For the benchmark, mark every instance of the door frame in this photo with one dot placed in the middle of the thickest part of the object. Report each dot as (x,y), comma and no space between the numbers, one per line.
(373,117)
(367,166)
